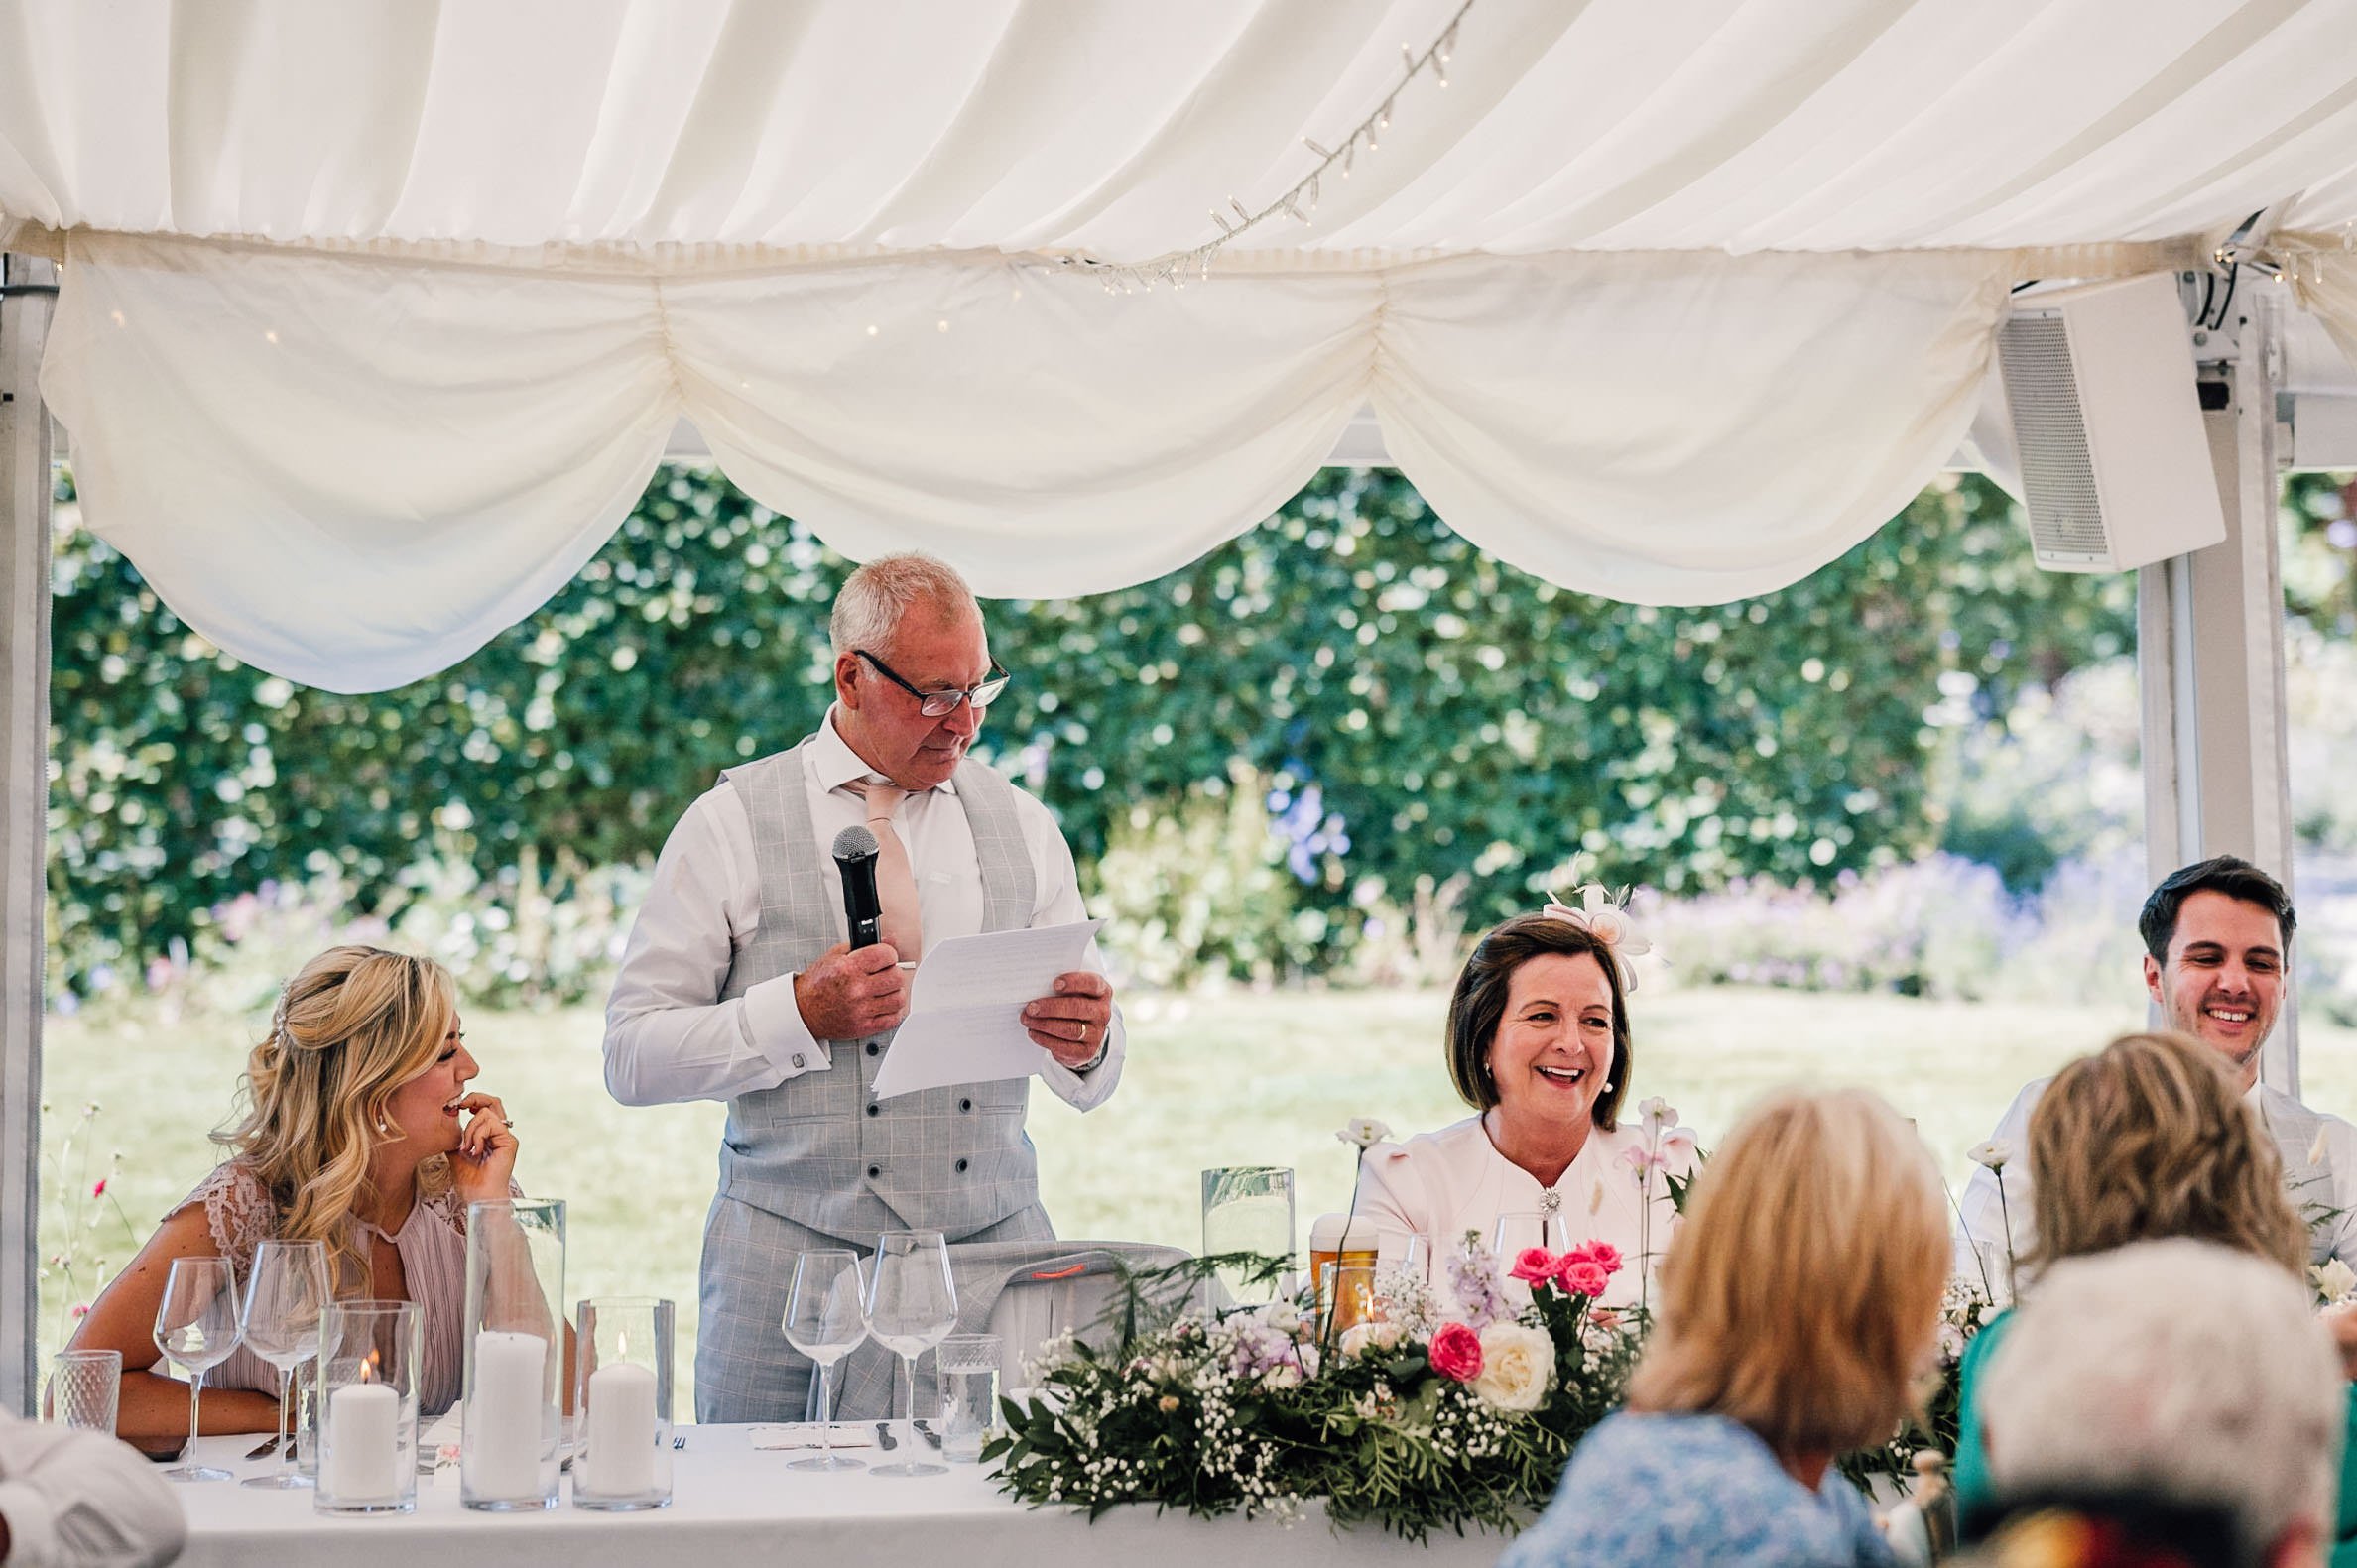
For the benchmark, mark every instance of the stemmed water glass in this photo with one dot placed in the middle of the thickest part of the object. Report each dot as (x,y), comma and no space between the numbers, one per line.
(283,1302)
(826,1319)
(196,1326)
(912,1305)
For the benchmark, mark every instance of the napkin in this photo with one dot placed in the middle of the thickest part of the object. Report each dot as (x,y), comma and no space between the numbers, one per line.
(805,1434)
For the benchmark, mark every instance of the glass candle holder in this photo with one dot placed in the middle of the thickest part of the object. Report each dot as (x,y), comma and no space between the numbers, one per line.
(86,1388)
(622,1392)
(1249,1209)
(368,1426)
(514,1327)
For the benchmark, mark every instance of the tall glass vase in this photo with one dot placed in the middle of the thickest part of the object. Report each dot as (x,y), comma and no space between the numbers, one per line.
(510,1441)
(368,1424)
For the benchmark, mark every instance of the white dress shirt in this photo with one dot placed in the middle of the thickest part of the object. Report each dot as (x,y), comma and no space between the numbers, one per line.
(667,1036)
(1985,1216)
(75,1499)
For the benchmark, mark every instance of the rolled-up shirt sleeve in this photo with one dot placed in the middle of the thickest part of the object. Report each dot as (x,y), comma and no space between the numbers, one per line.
(1058,903)
(668,1035)
(73,1498)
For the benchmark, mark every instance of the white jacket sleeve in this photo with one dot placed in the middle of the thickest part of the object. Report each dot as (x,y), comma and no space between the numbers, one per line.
(74,1499)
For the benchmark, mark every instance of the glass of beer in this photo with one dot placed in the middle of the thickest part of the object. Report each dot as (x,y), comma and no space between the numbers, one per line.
(1342,1257)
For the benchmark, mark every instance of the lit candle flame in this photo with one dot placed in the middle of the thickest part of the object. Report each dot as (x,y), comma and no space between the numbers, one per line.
(368,1367)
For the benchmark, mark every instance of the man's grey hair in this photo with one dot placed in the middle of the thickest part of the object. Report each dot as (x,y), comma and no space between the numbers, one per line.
(2180,1367)
(869,606)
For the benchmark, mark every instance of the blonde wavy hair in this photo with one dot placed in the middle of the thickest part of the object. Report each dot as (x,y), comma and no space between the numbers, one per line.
(1801,1294)
(353,1026)
(2149,1138)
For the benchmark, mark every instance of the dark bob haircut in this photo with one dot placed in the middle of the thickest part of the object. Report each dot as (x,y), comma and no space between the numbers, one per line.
(2226,874)
(1478,1006)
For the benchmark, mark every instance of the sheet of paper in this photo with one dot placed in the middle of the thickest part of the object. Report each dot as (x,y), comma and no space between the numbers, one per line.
(966,1006)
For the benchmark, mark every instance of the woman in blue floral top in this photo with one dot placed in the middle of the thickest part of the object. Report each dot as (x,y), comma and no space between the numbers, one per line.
(1795,1309)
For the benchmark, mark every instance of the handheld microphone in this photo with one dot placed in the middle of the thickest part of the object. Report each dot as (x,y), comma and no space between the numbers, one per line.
(855,857)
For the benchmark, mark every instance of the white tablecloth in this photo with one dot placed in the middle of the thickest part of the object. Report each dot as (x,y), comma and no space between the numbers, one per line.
(734,1503)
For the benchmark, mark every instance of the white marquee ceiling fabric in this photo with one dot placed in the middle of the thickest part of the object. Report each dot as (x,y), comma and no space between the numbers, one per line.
(375,316)
(1115,125)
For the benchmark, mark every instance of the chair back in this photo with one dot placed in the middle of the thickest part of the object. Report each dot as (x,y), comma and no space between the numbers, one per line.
(1071,1293)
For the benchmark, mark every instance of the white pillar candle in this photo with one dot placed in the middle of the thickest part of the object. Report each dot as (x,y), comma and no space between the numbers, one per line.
(622,1430)
(501,1448)
(363,1455)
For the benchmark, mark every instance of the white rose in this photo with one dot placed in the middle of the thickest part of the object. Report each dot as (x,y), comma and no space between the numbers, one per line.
(1517,1367)
(1285,1374)
(1282,1317)
(1371,1339)
(2334,1279)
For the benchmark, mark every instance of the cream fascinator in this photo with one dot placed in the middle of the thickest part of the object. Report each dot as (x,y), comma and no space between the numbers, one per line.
(1605,918)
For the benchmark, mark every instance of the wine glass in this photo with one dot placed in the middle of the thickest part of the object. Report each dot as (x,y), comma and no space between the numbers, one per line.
(281,1324)
(1516,1234)
(912,1305)
(826,1319)
(196,1326)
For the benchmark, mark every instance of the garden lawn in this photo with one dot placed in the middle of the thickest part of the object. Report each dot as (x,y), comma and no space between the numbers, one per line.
(1240,1078)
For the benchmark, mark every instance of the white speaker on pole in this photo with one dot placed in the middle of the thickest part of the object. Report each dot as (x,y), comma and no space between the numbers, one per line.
(2099,384)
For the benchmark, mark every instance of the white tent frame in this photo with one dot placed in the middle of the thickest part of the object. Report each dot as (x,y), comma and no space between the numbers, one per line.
(2210,652)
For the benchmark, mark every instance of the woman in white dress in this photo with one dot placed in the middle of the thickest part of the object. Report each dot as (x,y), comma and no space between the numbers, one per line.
(1539,1046)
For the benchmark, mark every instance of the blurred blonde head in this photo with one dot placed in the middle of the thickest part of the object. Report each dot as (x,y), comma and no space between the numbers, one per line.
(2149,1138)
(1803,1294)
(353,1026)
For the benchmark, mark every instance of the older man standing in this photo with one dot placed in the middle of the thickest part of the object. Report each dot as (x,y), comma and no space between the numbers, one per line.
(738,983)
(2217,947)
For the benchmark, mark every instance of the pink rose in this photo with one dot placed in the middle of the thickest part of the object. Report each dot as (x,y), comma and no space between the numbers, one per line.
(1533,1264)
(1455,1352)
(1604,1255)
(1584,1278)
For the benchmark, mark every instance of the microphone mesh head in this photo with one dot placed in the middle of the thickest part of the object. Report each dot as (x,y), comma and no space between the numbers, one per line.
(854,842)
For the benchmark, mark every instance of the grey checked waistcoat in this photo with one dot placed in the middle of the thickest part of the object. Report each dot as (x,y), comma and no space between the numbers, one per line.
(818,1148)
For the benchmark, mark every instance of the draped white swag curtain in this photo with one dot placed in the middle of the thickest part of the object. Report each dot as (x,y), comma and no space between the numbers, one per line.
(376,316)
(353,471)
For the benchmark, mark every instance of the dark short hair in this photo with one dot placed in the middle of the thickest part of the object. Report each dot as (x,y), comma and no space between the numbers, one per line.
(1478,1006)
(2227,874)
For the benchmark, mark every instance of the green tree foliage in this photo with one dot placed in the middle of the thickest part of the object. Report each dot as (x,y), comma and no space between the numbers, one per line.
(1412,707)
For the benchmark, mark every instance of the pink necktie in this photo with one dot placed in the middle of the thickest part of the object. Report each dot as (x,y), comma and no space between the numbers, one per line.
(896,884)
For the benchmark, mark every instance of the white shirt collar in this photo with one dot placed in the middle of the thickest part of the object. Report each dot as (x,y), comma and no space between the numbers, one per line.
(835,764)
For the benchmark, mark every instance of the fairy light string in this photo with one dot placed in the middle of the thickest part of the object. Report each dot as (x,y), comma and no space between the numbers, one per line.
(1298,202)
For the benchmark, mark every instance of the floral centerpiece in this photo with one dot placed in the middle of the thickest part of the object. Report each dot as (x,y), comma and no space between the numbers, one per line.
(1430,1415)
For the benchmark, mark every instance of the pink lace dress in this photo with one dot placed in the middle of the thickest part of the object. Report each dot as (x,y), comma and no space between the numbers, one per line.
(432,1242)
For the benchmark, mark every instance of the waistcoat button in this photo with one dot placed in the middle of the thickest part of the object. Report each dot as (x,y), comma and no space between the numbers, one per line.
(874,1170)
(965,1105)
(961,1165)
(875,1049)
(875,1110)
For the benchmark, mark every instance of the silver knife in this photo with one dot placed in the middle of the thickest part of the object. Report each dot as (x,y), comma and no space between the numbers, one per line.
(884,1435)
(268,1448)
(927,1433)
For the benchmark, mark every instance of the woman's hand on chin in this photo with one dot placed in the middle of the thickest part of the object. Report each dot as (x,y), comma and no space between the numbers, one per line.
(484,1162)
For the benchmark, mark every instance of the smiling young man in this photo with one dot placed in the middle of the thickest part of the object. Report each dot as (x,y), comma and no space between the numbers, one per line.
(738,984)
(2217,950)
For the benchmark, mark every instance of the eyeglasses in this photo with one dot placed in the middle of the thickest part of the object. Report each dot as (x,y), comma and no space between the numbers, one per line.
(934,705)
